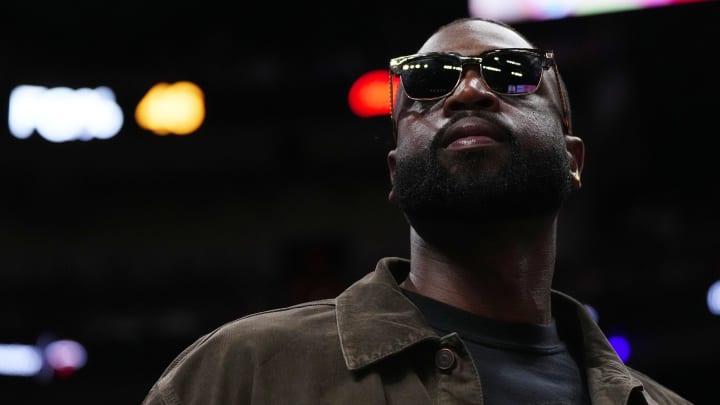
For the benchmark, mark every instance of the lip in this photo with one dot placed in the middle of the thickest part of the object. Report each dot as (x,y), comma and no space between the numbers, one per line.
(472,132)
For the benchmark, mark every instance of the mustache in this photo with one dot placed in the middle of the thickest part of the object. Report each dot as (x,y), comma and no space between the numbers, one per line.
(486,116)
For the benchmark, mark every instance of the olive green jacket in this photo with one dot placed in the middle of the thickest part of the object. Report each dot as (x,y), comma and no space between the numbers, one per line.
(368,346)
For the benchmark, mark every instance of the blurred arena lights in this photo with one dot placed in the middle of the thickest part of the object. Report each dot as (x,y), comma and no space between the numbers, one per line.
(369,95)
(177,108)
(63,357)
(593,312)
(62,114)
(713,298)
(621,346)
(512,11)
(20,360)
(618,342)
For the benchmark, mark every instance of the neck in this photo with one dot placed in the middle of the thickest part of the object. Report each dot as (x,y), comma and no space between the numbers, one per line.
(501,271)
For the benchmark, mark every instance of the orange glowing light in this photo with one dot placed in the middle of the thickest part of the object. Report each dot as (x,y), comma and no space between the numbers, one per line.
(369,96)
(177,108)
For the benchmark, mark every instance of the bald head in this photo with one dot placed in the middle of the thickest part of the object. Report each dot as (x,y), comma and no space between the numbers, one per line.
(468,33)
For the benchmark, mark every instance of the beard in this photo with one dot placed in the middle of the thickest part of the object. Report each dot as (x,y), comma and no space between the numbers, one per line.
(475,186)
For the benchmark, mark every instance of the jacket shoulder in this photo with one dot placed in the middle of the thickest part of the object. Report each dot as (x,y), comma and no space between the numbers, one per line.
(293,322)
(258,345)
(280,320)
(661,394)
(263,331)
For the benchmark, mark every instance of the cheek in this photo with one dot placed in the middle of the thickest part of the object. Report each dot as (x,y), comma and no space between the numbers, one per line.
(416,130)
(416,107)
(543,124)
(540,137)
(412,142)
(539,118)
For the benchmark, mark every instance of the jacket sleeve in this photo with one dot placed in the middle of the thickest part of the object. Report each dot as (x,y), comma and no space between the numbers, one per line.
(155,397)
(208,372)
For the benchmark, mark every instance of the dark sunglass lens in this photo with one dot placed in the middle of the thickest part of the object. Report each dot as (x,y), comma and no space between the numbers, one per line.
(512,72)
(430,76)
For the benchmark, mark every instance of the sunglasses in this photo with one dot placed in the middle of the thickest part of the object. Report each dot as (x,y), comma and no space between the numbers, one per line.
(509,71)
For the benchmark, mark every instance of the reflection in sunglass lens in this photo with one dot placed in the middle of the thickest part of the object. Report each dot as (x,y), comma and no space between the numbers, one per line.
(504,71)
(431,76)
(512,72)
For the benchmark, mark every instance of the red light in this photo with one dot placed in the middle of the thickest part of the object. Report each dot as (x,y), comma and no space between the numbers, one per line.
(370,96)
(64,372)
(65,357)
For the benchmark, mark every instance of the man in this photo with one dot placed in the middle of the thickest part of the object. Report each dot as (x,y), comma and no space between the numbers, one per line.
(484,160)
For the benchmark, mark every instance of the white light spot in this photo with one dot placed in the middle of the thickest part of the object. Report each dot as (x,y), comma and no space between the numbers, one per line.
(713,298)
(20,360)
(61,114)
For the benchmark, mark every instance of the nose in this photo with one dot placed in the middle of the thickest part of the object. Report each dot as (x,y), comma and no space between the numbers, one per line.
(472,93)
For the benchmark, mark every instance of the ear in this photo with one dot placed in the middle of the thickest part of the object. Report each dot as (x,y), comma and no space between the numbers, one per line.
(575,148)
(391,161)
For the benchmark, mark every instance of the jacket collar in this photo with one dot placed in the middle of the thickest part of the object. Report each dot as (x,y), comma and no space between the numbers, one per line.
(609,380)
(376,303)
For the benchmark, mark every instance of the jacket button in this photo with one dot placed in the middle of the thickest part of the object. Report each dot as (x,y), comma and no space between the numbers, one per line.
(445,359)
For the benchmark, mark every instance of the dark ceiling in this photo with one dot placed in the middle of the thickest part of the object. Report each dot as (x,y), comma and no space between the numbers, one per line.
(136,245)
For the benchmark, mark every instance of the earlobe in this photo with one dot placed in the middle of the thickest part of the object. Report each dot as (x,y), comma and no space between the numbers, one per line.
(576,157)
(391,164)
(391,161)
(576,177)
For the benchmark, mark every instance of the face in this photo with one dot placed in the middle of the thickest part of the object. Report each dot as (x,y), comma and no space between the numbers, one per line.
(475,155)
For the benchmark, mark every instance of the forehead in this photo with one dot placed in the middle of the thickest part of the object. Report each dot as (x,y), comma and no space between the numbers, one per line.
(472,38)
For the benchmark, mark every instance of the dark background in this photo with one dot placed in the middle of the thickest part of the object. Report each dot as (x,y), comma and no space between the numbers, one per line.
(137,245)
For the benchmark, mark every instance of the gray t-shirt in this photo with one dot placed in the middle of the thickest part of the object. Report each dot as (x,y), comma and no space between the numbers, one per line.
(518,363)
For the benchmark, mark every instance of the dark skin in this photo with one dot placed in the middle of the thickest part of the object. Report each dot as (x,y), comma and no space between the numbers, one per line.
(501,269)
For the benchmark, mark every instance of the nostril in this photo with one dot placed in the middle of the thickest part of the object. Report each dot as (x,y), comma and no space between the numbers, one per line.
(477,101)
